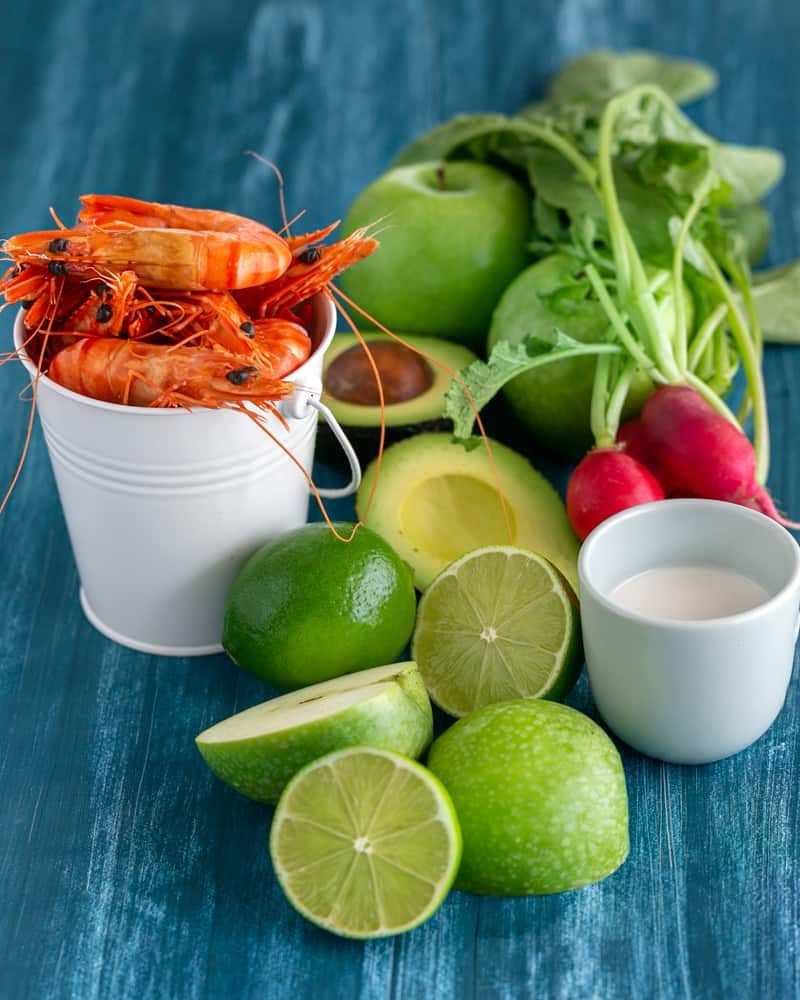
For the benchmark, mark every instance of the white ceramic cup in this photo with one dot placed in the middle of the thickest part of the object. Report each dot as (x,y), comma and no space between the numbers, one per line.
(689,692)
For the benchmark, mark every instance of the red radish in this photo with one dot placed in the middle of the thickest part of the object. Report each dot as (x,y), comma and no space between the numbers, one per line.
(632,438)
(605,482)
(700,453)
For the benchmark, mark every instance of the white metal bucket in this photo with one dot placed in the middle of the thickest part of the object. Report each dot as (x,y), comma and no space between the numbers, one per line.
(163,506)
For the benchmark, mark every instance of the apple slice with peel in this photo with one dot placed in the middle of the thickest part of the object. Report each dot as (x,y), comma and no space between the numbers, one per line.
(257,751)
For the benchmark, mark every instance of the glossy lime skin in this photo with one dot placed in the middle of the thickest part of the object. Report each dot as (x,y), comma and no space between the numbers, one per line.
(445,256)
(553,401)
(308,607)
(540,795)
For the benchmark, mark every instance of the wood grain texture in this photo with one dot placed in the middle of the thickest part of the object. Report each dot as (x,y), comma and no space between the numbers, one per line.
(126,870)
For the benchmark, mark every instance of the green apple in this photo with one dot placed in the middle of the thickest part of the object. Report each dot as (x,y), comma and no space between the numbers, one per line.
(259,750)
(554,295)
(540,795)
(452,235)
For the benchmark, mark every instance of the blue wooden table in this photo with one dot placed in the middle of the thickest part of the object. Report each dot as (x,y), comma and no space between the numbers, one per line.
(126,870)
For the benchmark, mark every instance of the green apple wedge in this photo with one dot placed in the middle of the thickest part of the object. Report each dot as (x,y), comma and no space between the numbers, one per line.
(259,750)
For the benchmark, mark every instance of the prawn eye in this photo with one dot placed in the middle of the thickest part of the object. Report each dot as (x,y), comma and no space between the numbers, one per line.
(103,314)
(310,255)
(58,268)
(27,303)
(240,375)
(248,328)
(58,245)
(101,288)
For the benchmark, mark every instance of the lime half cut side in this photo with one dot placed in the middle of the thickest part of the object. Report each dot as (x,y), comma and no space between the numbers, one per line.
(497,625)
(365,843)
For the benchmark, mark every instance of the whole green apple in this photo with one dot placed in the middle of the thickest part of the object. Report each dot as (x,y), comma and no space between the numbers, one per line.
(452,235)
(540,795)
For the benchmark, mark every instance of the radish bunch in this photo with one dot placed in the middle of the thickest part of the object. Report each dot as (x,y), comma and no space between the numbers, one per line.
(687,442)
(680,447)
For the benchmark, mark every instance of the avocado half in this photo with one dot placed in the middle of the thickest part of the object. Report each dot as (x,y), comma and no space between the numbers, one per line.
(413,388)
(433,500)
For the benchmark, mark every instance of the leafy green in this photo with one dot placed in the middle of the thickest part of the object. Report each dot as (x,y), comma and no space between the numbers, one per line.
(602,73)
(479,382)
(776,294)
(678,166)
(752,224)
(751,172)
(659,159)
(634,194)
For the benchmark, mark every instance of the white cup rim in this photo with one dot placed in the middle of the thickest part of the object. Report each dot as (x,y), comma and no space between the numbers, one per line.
(678,625)
(322,304)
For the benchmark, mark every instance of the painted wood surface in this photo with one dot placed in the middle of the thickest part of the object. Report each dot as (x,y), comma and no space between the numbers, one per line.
(126,870)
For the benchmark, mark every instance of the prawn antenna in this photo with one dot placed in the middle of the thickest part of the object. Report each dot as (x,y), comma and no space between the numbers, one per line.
(56,219)
(281,195)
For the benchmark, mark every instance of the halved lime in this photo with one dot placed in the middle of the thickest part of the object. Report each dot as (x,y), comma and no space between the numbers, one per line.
(365,843)
(497,625)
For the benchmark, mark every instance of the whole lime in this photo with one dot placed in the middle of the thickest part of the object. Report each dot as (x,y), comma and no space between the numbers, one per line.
(540,795)
(308,607)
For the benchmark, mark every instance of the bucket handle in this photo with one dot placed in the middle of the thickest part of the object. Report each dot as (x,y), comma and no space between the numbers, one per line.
(332,492)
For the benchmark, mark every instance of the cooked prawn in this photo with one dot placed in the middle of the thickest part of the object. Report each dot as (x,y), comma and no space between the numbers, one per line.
(310,272)
(222,300)
(168,246)
(282,344)
(136,374)
(104,311)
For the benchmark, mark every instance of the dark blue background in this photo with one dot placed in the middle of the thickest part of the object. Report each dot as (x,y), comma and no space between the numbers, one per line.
(125,869)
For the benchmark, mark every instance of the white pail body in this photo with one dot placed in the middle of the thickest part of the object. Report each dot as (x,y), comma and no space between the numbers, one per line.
(163,506)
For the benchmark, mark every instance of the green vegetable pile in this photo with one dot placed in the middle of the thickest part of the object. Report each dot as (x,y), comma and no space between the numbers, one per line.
(648,218)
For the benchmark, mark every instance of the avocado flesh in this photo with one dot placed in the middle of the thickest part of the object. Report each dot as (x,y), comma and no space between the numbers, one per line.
(435,501)
(424,412)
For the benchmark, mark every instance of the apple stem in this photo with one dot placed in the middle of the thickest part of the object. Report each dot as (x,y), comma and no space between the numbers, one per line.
(441,177)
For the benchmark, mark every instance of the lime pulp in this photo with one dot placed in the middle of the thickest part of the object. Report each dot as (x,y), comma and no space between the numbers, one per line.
(496,625)
(365,843)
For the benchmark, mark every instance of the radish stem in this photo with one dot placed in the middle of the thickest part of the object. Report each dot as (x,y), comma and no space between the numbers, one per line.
(681,333)
(752,369)
(704,335)
(600,432)
(617,322)
(618,396)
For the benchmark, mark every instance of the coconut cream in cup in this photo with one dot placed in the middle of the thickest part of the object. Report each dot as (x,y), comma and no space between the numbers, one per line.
(690,615)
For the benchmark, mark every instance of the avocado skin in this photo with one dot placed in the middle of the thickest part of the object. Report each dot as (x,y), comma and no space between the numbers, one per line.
(424,414)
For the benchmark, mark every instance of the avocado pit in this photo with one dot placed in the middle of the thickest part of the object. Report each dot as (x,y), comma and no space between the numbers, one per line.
(404,374)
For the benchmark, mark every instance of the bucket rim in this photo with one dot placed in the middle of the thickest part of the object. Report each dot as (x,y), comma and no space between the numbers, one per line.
(324,316)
